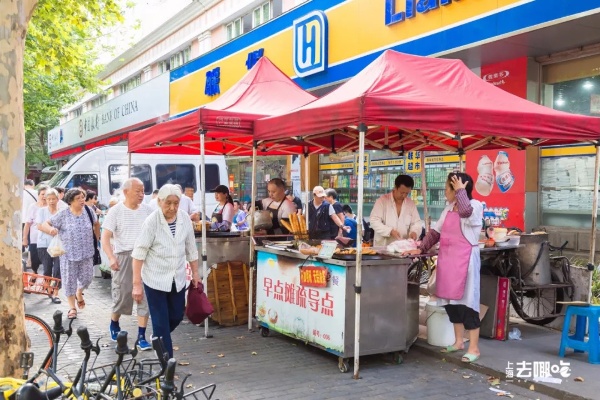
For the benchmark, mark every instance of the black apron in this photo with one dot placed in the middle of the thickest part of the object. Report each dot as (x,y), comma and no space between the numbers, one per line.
(217,215)
(276,229)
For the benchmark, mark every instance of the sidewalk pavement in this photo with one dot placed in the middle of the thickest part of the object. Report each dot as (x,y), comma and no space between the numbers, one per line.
(248,366)
(537,345)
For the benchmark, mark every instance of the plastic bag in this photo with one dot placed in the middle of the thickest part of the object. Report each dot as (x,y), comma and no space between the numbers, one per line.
(56,248)
(515,334)
(400,246)
(198,306)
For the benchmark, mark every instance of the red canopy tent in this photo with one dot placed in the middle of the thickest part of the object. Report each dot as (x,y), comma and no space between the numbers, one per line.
(228,122)
(226,127)
(427,103)
(402,101)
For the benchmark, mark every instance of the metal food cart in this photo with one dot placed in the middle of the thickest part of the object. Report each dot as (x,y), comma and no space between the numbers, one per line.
(312,299)
(224,246)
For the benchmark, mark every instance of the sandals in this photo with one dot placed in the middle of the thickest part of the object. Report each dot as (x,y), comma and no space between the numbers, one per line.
(470,358)
(80,303)
(72,313)
(450,349)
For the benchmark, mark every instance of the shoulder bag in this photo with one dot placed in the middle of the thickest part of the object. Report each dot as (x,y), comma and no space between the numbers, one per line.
(97,258)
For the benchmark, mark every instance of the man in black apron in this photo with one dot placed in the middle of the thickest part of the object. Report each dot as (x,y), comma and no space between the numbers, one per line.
(279,206)
(321,216)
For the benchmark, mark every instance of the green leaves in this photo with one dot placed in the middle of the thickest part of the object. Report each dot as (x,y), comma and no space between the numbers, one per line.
(60,62)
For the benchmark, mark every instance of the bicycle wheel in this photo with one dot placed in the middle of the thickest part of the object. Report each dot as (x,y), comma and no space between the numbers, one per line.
(538,303)
(39,340)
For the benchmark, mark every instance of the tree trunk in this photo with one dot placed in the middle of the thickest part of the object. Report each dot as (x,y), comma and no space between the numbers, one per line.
(13,28)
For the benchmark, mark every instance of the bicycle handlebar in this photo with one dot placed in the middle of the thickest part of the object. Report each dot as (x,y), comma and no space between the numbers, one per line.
(122,348)
(58,326)
(168,384)
(84,336)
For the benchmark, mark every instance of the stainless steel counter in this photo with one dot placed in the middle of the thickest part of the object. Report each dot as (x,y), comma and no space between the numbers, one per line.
(389,303)
(222,249)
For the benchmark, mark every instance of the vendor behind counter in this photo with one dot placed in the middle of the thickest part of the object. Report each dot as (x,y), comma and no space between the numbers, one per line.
(222,216)
(279,206)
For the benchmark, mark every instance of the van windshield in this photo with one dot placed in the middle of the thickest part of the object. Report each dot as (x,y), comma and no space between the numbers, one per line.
(58,178)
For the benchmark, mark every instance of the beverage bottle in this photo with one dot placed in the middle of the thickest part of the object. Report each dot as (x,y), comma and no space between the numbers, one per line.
(504,178)
(485,177)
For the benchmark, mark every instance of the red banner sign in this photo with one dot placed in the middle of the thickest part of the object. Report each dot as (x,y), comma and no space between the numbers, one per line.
(314,276)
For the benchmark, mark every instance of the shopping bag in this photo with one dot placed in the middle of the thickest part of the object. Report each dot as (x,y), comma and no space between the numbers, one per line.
(198,306)
(431,285)
(56,248)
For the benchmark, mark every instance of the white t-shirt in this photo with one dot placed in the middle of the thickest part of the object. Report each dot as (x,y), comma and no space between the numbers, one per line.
(125,225)
(287,208)
(30,197)
(33,230)
(43,215)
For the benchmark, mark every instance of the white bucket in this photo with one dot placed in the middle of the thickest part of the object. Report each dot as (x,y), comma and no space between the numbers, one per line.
(440,331)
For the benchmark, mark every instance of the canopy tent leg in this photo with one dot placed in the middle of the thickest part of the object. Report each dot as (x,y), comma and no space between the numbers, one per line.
(461,162)
(594,212)
(424,192)
(129,165)
(203,206)
(252,260)
(359,234)
(306,188)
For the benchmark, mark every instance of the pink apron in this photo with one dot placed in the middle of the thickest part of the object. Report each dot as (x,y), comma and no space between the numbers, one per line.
(453,259)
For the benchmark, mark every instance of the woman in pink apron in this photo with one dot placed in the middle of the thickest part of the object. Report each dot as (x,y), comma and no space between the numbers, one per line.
(458,264)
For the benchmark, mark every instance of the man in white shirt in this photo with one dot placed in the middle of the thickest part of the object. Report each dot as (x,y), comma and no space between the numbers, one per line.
(395,215)
(122,225)
(30,196)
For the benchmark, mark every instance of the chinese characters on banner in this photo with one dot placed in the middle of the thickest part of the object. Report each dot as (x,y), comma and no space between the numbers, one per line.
(413,162)
(499,175)
(307,303)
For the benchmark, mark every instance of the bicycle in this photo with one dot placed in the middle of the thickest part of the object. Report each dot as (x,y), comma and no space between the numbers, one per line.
(421,268)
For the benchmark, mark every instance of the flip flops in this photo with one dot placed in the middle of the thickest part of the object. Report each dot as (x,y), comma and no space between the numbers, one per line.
(469,358)
(450,349)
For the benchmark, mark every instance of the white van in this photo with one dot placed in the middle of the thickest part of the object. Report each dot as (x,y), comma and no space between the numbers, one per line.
(103,169)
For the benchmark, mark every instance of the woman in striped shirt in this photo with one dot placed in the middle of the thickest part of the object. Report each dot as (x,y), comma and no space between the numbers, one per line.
(160,254)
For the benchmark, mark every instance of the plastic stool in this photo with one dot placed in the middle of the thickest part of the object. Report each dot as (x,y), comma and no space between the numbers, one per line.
(586,315)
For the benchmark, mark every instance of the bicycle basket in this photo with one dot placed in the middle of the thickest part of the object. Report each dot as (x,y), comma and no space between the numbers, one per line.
(40,284)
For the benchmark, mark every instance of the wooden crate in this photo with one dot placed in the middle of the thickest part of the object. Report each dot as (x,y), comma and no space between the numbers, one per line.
(228,293)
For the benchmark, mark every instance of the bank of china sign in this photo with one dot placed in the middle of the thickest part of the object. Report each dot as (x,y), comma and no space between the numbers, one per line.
(311,44)
(141,106)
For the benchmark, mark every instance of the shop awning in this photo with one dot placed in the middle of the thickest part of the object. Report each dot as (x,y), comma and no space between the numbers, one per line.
(229,120)
(424,103)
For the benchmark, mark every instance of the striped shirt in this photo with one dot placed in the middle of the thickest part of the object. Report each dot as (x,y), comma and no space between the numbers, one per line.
(165,255)
(125,225)
(172,226)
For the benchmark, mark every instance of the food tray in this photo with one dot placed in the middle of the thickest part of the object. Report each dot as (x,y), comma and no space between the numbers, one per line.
(352,257)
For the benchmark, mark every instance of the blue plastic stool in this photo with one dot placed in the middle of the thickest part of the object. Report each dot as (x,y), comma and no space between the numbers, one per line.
(586,315)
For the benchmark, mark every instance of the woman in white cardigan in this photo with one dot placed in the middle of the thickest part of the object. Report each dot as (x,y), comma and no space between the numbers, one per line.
(160,254)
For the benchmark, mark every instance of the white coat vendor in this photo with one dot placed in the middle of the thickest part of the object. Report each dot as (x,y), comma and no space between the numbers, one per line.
(395,215)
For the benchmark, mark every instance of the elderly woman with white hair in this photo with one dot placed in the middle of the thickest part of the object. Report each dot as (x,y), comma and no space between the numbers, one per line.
(160,254)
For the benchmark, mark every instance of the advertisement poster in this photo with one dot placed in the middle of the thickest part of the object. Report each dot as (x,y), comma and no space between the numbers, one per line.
(306,302)
(499,177)
(510,75)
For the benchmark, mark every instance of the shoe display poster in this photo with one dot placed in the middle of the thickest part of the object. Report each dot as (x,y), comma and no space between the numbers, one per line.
(499,177)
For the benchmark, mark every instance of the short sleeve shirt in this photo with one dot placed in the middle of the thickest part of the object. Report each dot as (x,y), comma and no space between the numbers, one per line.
(33,230)
(42,216)
(76,234)
(125,225)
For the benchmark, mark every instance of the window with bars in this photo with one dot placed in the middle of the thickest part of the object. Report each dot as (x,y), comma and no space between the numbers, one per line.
(163,66)
(77,112)
(98,101)
(180,58)
(234,29)
(262,14)
(131,84)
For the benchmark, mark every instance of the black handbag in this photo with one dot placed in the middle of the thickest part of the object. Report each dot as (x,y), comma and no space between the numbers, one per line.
(97,258)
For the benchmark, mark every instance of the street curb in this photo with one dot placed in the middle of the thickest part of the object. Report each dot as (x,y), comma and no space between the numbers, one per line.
(540,387)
